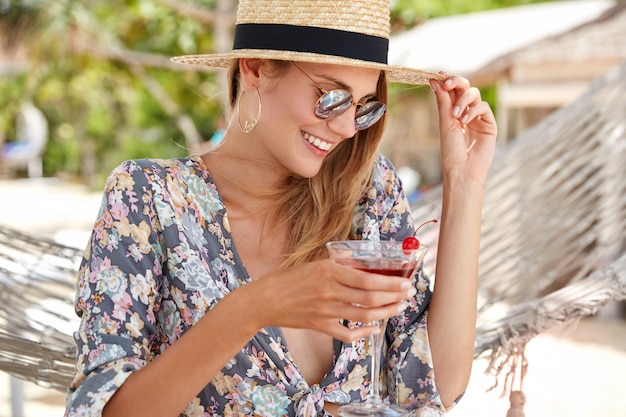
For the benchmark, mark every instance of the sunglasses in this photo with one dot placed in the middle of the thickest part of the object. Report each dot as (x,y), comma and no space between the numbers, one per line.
(334,103)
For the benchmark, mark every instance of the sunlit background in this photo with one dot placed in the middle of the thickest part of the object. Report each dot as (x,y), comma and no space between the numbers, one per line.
(87,84)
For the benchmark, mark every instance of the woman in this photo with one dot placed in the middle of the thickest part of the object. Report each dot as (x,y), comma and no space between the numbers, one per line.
(206,288)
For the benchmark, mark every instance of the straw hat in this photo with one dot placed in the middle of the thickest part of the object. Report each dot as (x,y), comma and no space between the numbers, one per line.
(344,32)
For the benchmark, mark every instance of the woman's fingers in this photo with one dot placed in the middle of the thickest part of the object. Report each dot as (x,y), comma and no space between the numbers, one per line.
(460,97)
(368,282)
(317,294)
(363,314)
(467,129)
(338,331)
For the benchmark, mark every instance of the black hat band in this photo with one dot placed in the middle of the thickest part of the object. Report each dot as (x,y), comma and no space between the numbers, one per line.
(309,39)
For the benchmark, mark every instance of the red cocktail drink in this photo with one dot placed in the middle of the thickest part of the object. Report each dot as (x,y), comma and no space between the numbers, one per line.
(384,258)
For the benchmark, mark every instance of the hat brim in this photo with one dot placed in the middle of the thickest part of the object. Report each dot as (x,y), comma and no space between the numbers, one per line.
(394,74)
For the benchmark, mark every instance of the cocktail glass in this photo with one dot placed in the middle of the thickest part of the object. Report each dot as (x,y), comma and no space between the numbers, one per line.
(385,258)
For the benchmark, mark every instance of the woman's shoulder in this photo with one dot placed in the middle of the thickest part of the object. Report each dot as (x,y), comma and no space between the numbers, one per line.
(161,173)
(383,212)
(384,176)
(382,162)
(153,169)
(190,164)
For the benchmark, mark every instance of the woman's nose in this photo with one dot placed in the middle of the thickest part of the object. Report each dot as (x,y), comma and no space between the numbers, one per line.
(344,123)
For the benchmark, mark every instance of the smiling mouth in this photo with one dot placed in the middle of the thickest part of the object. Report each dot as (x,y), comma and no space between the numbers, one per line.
(317,142)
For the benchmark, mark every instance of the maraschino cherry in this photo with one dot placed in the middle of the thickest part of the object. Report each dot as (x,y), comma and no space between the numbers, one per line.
(411,242)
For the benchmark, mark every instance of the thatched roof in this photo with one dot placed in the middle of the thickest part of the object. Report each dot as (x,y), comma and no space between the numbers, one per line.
(465,44)
(602,40)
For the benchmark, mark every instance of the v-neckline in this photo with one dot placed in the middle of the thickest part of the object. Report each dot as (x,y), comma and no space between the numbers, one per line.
(199,161)
(223,221)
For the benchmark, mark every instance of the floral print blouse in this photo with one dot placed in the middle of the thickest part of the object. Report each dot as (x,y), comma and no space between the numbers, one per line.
(161,255)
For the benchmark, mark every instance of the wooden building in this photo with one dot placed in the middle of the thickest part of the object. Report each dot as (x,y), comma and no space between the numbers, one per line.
(530,59)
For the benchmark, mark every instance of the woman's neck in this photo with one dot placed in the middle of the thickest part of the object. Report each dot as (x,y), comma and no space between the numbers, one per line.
(246,185)
(249,189)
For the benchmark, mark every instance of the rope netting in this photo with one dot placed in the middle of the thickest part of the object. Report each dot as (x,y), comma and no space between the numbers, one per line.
(37,280)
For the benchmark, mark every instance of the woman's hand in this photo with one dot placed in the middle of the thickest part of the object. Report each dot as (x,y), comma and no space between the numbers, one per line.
(317,294)
(467,128)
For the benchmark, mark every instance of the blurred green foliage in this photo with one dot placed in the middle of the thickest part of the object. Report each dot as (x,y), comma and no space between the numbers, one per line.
(101,109)
(408,13)
(85,70)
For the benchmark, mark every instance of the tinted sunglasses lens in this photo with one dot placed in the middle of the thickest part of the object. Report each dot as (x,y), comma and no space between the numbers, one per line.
(369,114)
(332,104)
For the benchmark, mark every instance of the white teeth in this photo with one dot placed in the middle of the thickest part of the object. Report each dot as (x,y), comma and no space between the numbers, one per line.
(317,142)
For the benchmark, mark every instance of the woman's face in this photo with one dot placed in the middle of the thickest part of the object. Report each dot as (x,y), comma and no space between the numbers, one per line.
(292,134)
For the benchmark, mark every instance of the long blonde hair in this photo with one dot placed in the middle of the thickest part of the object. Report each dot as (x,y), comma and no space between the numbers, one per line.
(319,209)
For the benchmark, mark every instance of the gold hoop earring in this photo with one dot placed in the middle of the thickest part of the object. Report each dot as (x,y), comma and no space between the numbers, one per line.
(248,127)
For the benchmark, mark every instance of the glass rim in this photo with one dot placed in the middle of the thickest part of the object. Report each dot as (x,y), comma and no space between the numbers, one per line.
(374,246)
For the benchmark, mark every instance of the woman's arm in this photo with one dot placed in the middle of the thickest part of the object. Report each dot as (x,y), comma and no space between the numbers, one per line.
(452,316)
(312,296)
(468,134)
(166,385)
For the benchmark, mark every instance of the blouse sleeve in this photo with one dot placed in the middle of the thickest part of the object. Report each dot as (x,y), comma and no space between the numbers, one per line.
(117,292)
(409,377)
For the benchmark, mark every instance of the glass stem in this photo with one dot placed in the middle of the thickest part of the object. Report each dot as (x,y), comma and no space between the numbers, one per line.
(376,347)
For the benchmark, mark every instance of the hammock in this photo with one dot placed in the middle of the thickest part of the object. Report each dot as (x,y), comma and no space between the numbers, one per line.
(552,249)
(37,282)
